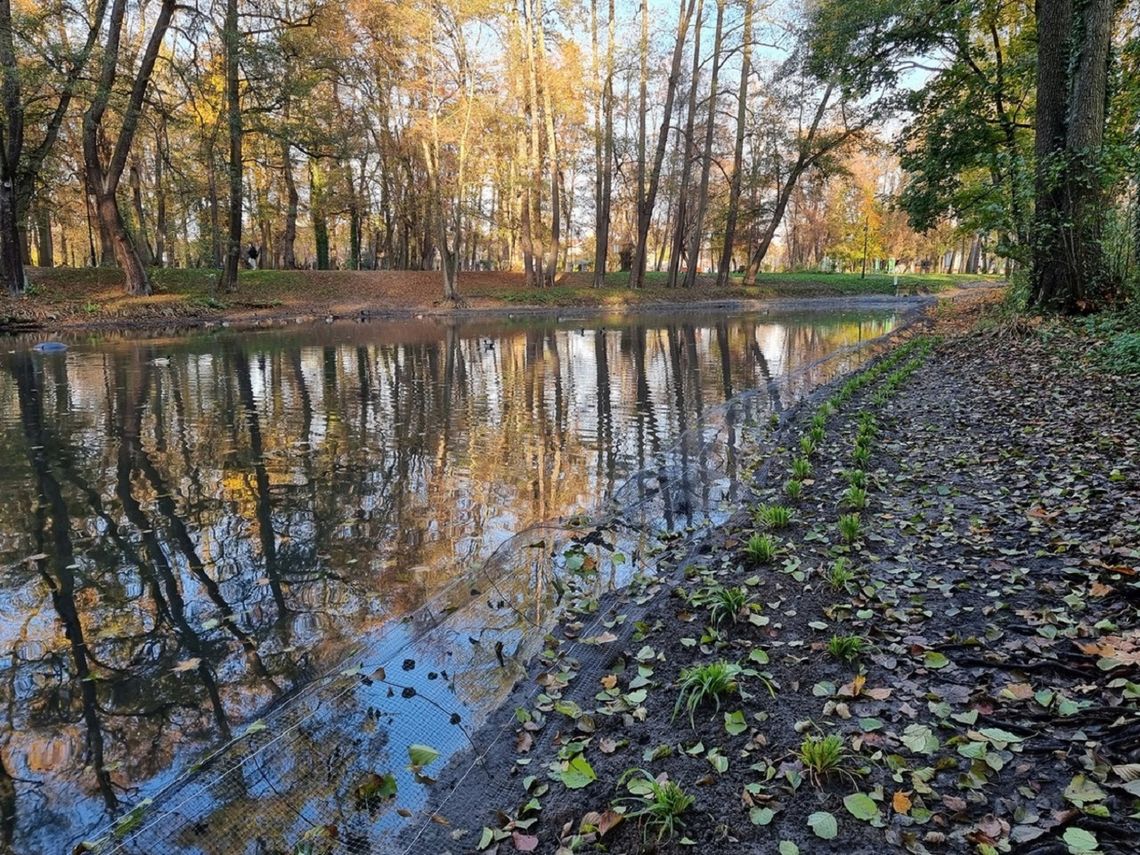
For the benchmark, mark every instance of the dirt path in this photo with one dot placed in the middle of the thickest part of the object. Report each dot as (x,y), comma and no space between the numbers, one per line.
(985,677)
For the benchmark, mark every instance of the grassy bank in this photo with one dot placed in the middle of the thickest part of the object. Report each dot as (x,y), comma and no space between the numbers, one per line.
(920,633)
(67,297)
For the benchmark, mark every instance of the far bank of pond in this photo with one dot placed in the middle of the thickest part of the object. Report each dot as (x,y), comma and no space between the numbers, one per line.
(92,298)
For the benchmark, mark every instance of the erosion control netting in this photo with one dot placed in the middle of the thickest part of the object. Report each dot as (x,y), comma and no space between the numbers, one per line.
(345,764)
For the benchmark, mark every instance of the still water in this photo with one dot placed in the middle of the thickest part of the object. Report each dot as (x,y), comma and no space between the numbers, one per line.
(195,528)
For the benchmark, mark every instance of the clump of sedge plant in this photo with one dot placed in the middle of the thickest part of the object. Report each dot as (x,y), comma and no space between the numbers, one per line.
(816,434)
(855,497)
(774,516)
(774,420)
(846,647)
(824,757)
(658,803)
(819,420)
(701,683)
(807,446)
(794,489)
(856,478)
(725,605)
(761,548)
(801,468)
(840,574)
(861,456)
(850,527)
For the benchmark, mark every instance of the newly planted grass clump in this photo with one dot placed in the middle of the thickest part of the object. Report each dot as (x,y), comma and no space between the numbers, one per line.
(761,548)
(817,434)
(856,478)
(861,456)
(699,684)
(825,757)
(774,516)
(794,489)
(850,527)
(819,420)
(840,574)
(855,497)
(801,468)
(657,803)
(725,605)
(846,648)
(807,446)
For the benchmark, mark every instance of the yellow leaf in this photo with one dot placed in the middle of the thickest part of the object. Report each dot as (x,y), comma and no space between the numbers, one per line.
(901,802)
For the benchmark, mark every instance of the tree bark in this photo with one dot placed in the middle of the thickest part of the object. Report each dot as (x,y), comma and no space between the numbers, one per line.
(550,266)
(1068,271)
(104,178)
(723,269)
(706,165)
(602,234)
(232,41)
(645,209)
(682,216)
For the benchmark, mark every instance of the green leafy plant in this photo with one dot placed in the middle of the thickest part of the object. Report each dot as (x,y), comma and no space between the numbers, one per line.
(850,527)
(861,456)
(856,478)
(807,446)
(801,468)
(760,548)
(774,516)
(840,574)
(794,489)
(816,434)
(657,803)
(819,420)
(824,757)
(846,647)
(725,605)
(855,497)
(698,684)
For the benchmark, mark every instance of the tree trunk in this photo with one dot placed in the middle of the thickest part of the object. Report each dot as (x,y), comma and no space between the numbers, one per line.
(318,214)
(44,251)
(803,160)
(1069,272)
(104,178)
(11,258)
(551,264)
(231,39)
(687,149)
(602,235)
(161,222)
(637,263)
(703,191)
(142,241)
(289,235)
(723,269)
(645,209)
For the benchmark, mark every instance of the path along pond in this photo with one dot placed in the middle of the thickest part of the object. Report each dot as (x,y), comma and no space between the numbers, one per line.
(244,570)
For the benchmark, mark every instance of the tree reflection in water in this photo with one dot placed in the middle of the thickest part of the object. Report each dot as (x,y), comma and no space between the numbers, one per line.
(194,527)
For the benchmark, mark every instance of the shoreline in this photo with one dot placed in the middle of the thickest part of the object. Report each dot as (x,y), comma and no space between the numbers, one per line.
(79,303)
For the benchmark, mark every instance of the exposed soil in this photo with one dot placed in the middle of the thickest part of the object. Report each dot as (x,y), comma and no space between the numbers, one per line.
(996,705)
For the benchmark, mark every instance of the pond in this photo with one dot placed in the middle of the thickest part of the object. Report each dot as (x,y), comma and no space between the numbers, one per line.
(237,543)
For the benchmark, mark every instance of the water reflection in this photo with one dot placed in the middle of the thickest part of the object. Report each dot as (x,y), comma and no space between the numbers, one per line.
(195,527)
